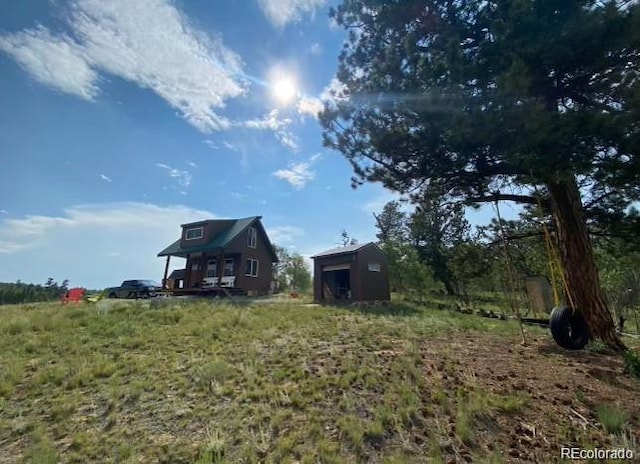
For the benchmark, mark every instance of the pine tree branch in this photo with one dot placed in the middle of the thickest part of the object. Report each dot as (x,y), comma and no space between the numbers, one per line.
(517,237)
(506,197)
(598,199)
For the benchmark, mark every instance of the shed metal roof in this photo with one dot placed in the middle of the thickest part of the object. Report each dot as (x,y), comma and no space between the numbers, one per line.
(342,250)
(178,274)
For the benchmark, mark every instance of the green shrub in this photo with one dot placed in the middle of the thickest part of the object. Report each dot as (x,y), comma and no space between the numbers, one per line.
(632,363)
(611,418)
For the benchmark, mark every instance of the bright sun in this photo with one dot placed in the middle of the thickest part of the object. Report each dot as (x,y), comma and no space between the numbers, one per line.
(284,90)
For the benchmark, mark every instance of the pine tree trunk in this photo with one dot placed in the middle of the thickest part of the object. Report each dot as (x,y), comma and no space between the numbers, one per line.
(578,262)
(448,286)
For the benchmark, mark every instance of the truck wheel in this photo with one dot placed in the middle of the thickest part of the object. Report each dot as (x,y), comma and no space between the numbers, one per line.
(112,295)
(568,328)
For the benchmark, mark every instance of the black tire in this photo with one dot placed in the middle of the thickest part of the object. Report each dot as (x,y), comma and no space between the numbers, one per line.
(569,328)
(112,295)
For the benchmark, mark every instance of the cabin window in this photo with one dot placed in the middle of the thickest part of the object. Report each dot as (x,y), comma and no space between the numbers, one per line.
(212,268)
(252,268)
(194,234)
(374,267)
(252,237)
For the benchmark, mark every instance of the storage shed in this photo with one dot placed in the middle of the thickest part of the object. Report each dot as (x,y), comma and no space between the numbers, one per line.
(351,273)
(176,279)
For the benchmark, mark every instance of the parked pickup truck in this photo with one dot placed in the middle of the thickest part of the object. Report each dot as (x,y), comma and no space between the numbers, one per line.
(134,289)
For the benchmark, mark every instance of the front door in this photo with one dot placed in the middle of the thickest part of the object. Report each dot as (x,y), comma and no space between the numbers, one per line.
(194,275)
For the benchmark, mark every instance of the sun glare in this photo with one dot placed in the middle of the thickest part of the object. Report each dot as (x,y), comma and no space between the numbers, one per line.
(284,90)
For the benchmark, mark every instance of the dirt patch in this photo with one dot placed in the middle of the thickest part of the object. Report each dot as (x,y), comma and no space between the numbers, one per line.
(560,392)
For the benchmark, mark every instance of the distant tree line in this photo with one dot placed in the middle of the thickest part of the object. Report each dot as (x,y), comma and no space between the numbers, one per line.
(431,248)
(291,272)
(20,292)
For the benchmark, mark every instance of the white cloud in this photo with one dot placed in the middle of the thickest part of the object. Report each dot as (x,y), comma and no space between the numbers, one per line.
(269,121)
(298,174)
(288,140)
(103,177)
(238,196)
(376,204)
(334,91)
(315,49)
(284,234)
(182,177)
(10,247)
(56,61)
(128,234)
(333,24)
(282,12)
(4,211)
(279,126)
(230,146)
(192,164)
(148,42)
(310,106)
(210,144)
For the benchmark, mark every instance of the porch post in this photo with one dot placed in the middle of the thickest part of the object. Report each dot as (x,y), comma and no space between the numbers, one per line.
(166,271)
(187,274)
(220,267)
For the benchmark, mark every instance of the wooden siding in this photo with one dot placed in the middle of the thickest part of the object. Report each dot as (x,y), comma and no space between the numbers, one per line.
(365,285)
(261,284)
(372,285)
(238,250)
(210,230)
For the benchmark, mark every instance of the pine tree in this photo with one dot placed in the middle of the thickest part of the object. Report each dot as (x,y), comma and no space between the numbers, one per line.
(498,100)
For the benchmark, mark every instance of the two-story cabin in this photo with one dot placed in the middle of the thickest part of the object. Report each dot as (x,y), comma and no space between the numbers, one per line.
(230,255)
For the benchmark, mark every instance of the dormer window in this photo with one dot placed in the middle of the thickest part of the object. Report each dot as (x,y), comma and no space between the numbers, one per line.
(252,237)
(194,234)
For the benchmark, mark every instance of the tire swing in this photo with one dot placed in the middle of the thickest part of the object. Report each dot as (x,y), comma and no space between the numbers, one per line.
(568,326)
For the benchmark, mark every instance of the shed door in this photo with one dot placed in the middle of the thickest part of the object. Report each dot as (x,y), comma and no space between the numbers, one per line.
(336,267)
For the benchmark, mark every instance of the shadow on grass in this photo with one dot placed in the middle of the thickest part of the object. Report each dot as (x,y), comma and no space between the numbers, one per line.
(586,355)
(395,309)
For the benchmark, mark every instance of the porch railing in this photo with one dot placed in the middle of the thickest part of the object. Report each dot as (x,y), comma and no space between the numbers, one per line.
(226,281)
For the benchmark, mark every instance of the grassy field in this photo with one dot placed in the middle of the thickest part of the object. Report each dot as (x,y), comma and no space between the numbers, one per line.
(208,382)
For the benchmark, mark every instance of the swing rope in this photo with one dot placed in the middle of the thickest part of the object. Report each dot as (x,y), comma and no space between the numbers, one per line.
(512,302)
(554,261)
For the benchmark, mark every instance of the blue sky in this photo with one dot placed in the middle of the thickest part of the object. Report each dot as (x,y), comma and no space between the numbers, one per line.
(121,120)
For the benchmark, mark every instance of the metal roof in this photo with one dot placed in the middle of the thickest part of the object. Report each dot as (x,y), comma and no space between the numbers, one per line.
(178,274)
(221,240)
(343,250)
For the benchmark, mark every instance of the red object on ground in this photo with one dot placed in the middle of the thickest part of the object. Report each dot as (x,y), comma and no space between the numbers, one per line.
(74,295)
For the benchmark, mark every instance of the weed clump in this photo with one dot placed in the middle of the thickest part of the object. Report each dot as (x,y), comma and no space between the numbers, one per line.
(632,363)
(611,418)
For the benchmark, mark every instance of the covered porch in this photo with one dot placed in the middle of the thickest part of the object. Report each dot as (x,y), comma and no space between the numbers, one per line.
(204,270)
